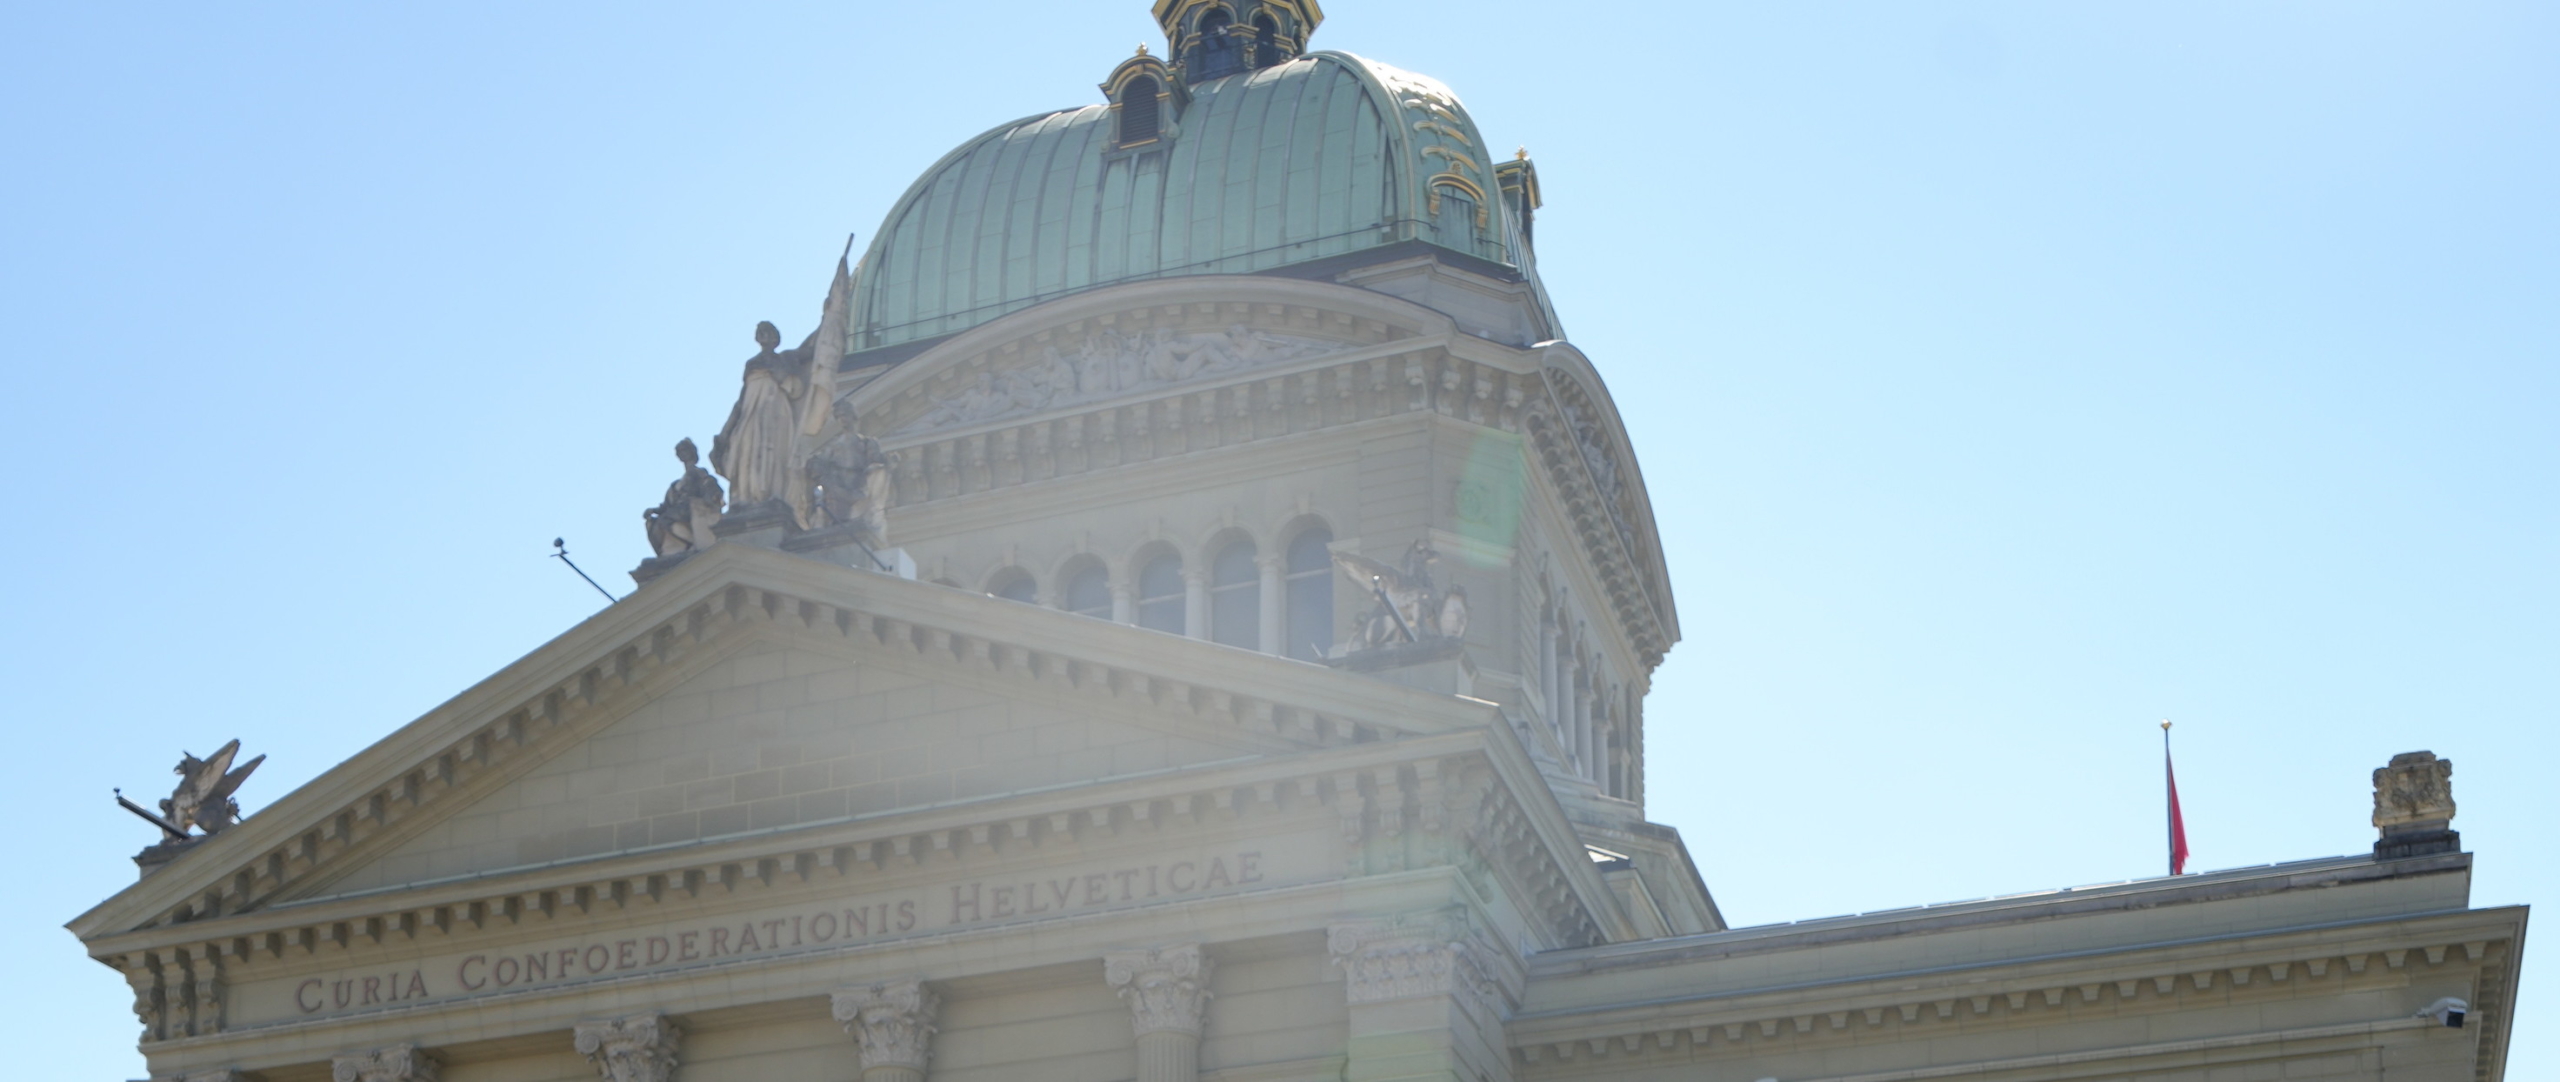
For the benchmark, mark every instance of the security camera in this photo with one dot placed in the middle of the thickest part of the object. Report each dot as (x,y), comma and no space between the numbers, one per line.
(2448,1011)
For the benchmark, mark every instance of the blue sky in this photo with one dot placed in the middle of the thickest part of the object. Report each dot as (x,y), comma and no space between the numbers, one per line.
(2008,377)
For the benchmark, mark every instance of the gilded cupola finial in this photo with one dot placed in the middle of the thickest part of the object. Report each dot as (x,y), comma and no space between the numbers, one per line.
(1212,39)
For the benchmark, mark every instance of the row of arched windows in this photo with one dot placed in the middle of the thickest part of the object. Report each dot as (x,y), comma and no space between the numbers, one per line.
(1217,52)
(1232,595)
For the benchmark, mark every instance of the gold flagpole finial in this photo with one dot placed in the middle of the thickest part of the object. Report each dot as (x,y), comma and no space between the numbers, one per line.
(2164,725)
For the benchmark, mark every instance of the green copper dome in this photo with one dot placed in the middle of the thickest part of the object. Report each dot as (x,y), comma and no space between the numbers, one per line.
(1318,158)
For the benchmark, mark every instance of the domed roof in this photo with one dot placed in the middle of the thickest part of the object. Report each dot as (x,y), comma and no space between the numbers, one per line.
(1320,157)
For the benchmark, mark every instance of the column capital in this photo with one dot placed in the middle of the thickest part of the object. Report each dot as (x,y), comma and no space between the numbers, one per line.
(632,1048)
(1432,953)
(893,1020)
(398,1063)
(1167,987)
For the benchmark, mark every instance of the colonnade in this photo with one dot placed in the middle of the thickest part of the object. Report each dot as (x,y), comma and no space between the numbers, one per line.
(1388,966)
(892,1024)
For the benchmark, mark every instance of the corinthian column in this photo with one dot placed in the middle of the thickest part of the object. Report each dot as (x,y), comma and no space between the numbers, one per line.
(633,1048)
(398,1063)
(1428,996)
(894,1021)
(1168,992)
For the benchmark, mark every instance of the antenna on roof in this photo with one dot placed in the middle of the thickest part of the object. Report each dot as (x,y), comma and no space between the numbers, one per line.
(175,834)
(561,553)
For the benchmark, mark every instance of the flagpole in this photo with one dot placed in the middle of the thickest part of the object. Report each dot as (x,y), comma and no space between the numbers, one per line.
(2169,798)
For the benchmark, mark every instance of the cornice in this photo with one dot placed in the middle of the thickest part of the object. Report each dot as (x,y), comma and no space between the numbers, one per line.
(598,670)
(1343,308)
(2132,896)
(2019,991)
(1386,795)
(1619,540)
(958,830)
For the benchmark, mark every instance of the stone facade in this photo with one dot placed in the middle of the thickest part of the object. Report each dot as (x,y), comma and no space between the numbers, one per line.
(1091,780)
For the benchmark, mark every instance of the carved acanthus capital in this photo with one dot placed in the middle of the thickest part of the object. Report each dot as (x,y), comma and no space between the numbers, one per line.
(893,1020)
(634,1048)
(1167,988)
(2416,789)
(398,1063)
(1422,954)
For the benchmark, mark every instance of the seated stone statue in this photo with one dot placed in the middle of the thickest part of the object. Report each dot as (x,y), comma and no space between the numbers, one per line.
(682,522)
(848,480)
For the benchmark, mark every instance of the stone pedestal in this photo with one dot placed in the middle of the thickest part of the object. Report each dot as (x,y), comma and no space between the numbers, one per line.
(764,525)
(850,544)
(655,566)
(158,856)
(2413,807)
(1437,665)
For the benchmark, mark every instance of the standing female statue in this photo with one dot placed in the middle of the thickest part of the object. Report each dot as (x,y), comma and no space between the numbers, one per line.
(755,449)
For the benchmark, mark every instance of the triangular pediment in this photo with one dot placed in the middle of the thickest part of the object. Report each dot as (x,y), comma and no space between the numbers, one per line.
(784,733)
(758,671)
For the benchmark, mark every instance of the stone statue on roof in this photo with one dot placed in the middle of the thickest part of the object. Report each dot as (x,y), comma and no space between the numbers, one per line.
(848,480)
(1411,608)
(754,450)
(682,522)
(203,798)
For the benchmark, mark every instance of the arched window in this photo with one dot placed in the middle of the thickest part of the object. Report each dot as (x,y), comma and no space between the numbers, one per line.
(1454,216)
(1235,598)
(1139,119)
(1310,593)
(1013,584)
(1216,52)
(1089,592)
(1160,601)
(1266,41)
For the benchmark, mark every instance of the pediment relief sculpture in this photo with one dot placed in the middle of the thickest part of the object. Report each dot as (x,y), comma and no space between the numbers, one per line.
(1109,364)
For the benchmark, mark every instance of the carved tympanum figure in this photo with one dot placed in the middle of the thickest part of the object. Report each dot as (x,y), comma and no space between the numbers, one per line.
(755,449)
(204,791)
(848,479)
(682,522)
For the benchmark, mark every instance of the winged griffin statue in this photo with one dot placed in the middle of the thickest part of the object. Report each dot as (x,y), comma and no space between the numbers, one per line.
(204,791)
(1411,607)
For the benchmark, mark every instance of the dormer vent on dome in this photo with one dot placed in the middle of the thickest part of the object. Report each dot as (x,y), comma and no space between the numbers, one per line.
(1212,39)
(1145,99)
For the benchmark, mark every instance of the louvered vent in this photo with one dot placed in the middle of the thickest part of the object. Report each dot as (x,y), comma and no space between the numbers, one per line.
(1138,115)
